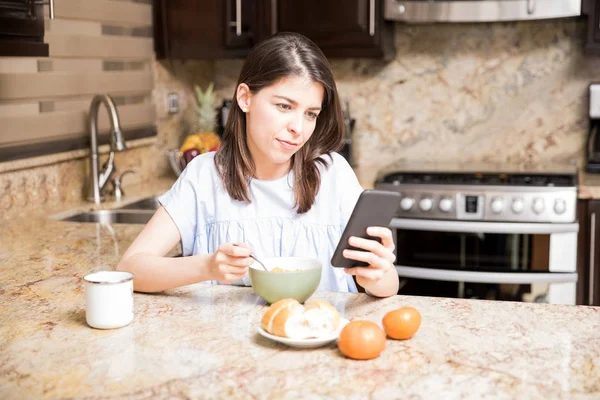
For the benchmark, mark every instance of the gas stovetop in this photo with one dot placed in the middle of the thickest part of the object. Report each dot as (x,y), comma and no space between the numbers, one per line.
(500,178)
(484,192)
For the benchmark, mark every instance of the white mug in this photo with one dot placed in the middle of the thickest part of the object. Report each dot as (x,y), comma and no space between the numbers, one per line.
(108,299)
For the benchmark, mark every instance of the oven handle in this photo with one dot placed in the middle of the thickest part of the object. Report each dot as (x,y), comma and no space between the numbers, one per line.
(485,277)
(482,227)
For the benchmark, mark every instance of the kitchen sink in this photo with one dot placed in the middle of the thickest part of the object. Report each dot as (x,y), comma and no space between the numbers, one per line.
(150,203)
(138,212)
(112,217)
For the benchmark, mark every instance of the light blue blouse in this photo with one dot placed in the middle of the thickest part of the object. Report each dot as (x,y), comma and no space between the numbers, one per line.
(207,216)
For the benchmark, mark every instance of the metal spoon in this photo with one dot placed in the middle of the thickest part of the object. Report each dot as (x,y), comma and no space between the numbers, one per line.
(255,259)
(260,262)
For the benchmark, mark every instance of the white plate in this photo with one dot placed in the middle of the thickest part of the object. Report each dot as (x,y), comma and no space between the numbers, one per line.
(305,343)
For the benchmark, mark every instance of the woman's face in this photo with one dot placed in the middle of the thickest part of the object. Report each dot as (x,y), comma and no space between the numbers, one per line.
(279,121)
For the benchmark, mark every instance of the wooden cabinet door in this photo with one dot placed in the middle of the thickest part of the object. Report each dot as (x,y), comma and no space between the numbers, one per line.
(591,8)
(22,29)
(241,24)
(593,276)
(588,253)
(341,28)
(207,29)
(187,29)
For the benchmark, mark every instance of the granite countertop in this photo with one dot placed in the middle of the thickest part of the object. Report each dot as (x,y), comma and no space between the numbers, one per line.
(589,185)
(200,341)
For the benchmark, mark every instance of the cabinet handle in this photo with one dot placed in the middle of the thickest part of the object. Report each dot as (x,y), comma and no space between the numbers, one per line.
(273,17)
(592,256)
(372,17)
(50,3)
(238,18)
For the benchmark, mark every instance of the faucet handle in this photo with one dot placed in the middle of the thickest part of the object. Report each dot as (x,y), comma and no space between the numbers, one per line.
(117,191)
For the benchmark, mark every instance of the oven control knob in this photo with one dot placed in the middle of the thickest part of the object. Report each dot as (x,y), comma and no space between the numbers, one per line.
(538,205)
(497,205)
(560,206)
(517,206)
(426,204)
(445,204)
(407,203)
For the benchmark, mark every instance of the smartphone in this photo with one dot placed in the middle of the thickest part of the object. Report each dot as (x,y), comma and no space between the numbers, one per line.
(373,208)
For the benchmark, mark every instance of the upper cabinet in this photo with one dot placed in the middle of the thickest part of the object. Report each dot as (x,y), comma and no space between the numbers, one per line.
(22,29)
(207,29)
(189,29)
(341,28)
(242,19)
(591,8)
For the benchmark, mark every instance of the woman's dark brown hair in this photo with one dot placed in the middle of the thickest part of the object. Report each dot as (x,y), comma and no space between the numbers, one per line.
(282,55)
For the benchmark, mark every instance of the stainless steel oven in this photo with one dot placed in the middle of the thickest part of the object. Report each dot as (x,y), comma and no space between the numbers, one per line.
(490,232)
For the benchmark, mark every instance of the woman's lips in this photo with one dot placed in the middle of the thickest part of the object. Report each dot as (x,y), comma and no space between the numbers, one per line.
(287,145)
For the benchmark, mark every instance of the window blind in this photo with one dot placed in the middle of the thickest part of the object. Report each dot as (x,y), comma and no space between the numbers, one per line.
(96,46)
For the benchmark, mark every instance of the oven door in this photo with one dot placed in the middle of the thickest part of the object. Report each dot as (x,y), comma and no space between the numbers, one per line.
(489,260)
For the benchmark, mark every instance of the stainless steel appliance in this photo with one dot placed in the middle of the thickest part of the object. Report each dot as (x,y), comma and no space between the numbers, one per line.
(593,140)
(479,10)
(486,231)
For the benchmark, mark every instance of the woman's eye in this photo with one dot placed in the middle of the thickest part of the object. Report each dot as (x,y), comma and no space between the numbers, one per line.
(312,115)
(284,107)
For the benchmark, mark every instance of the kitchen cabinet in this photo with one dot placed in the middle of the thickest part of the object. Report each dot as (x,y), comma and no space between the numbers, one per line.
(213,29)
(208,29)
(22,29)
(591,8)
(341,28)
(588,253)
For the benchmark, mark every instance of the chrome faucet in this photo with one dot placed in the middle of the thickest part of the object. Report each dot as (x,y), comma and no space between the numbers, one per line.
(99,179)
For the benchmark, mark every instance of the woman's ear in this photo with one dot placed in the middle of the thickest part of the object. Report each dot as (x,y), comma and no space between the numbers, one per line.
(243,97)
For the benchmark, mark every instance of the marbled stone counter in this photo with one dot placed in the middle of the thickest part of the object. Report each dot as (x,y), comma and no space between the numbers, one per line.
(201,341)
(589,186)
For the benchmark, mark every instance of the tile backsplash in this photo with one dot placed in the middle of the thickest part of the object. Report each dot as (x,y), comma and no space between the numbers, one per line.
(60,180)
(506,92)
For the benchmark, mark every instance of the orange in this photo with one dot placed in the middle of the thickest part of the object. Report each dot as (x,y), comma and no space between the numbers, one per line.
(361,340)
(402,323)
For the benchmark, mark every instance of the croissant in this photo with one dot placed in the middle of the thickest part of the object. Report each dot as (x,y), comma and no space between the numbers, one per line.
(288,318)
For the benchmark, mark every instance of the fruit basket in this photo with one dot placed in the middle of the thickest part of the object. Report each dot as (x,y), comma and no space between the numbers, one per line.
(204,139)
(194,145)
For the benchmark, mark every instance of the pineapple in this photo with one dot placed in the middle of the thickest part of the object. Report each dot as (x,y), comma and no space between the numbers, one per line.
(205,139)
(205,110)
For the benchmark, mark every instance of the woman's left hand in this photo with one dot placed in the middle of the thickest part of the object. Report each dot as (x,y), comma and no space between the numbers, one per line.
(379,256)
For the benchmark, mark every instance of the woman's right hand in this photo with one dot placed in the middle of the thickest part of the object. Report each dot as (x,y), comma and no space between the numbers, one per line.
(230,262)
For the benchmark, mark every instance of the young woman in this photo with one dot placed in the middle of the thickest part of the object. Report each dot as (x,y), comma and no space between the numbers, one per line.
(275,187)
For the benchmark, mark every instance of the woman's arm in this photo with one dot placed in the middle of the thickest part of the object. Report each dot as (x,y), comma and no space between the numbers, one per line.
(153,272)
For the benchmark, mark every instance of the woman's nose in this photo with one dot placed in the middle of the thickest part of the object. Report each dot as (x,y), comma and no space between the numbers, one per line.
(296,123)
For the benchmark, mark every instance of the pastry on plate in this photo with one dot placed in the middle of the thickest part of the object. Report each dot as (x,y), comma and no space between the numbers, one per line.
(290,319)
